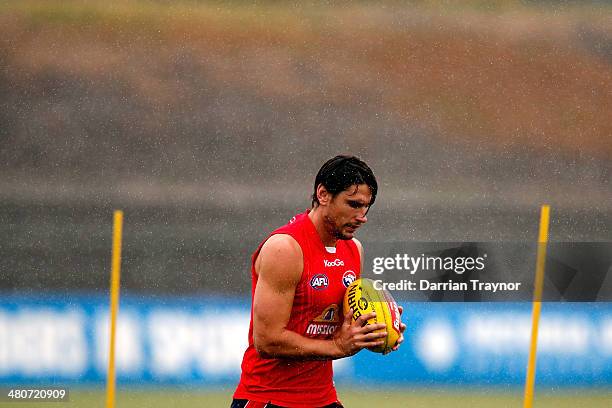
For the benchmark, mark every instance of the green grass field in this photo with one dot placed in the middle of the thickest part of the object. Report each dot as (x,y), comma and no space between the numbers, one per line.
(351,399)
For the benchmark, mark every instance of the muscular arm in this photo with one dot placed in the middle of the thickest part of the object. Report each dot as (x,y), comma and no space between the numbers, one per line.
(279,268)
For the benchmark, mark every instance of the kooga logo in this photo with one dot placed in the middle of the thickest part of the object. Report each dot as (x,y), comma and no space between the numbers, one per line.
(335,262)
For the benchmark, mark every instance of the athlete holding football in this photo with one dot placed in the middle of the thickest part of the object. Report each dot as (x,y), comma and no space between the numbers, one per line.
(300,274)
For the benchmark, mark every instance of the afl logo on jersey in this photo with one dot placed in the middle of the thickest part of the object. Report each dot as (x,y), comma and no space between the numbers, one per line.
(319,281)
(348,277)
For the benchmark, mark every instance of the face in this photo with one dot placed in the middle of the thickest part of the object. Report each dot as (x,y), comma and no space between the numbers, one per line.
(346,212)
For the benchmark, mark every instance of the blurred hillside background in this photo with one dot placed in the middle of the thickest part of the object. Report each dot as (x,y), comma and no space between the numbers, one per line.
(207,121)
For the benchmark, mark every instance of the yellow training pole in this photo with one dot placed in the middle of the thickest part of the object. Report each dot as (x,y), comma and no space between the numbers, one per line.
(537,305)
(114,305)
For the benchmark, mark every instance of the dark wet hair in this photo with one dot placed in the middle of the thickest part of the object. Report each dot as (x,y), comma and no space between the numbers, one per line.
(341,172)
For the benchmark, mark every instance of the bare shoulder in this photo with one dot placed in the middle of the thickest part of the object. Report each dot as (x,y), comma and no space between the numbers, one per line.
(280,260)
(281,243)
(359,247)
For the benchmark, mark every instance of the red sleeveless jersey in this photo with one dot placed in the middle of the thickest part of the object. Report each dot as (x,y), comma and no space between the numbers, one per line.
(316,313)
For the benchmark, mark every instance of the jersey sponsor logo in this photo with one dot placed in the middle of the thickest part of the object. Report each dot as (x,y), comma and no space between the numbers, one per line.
(329,314)
(335,262)
(320,328)
(319,281)
(348,277)
(326,322)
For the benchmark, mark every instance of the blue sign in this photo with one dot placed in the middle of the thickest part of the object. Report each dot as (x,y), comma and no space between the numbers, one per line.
(201,340)
(485,344)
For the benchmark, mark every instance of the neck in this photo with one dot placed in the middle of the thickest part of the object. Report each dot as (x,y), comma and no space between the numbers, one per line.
(318,220)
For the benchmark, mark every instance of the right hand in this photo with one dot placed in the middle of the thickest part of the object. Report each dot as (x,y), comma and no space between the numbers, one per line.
(353,336)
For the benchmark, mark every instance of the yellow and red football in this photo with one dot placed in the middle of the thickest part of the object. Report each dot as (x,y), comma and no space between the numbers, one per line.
(363,298)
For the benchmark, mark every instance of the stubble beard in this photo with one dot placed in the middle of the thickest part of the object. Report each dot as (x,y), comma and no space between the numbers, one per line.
(333,229)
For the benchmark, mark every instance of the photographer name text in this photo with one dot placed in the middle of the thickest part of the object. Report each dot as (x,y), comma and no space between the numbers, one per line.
(424,284)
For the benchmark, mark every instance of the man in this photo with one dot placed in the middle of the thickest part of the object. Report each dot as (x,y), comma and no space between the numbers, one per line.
(300,274)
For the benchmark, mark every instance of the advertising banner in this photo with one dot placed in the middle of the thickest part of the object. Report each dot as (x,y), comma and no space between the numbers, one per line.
(200,341)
